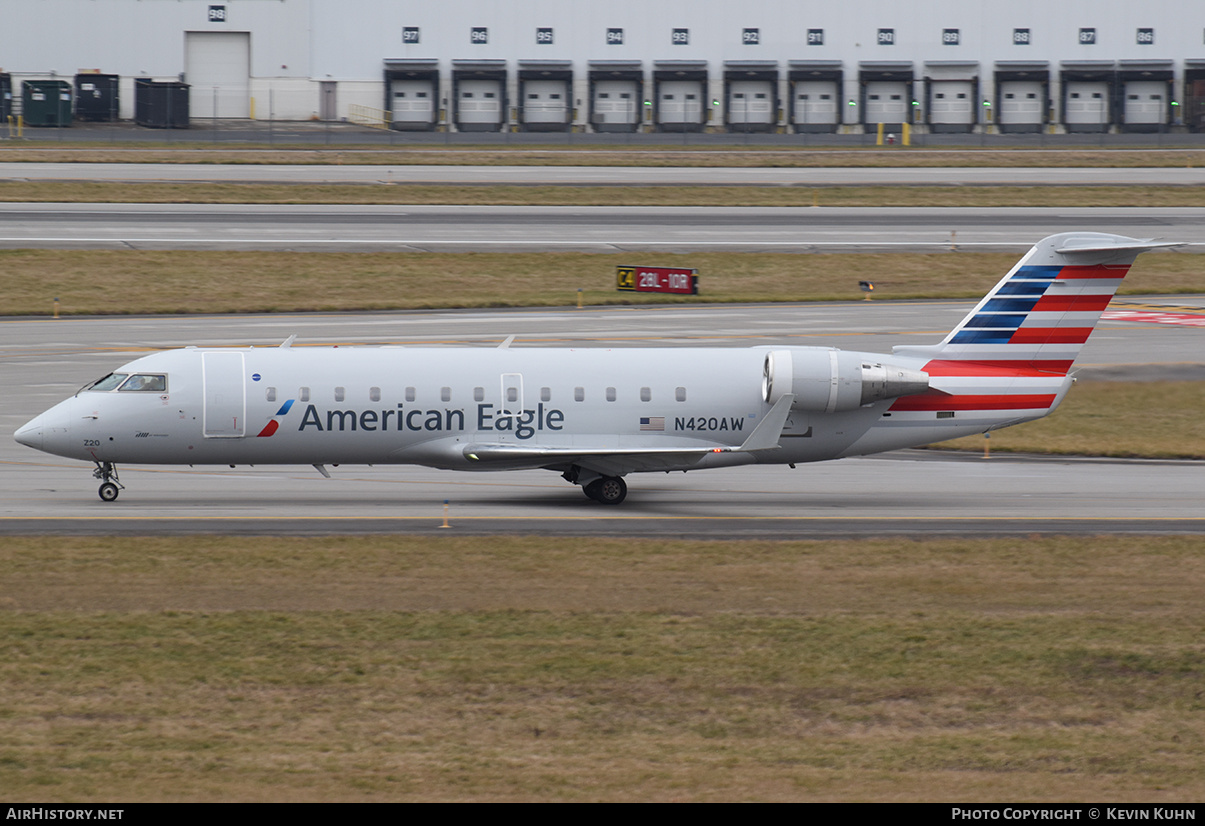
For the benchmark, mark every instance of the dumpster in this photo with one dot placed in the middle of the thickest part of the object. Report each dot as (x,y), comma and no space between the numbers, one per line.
(46,102)
(6,96)
(96,97)
(161,104)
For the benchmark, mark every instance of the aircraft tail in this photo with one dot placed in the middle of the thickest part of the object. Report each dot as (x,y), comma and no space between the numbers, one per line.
(1037,318)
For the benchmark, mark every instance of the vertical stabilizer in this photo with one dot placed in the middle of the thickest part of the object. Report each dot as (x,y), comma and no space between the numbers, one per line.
(1041,313)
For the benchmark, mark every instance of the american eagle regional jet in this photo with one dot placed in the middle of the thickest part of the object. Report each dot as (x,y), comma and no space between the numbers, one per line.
(597,415)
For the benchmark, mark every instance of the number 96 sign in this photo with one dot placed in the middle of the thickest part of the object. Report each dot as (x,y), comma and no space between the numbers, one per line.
(657,280)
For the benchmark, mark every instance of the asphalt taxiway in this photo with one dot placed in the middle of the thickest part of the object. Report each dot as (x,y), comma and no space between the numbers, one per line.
(907,492)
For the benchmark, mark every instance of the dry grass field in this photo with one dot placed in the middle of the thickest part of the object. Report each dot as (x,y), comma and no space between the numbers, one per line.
(1116,419)
(391,668)
(136,281)
(562,154)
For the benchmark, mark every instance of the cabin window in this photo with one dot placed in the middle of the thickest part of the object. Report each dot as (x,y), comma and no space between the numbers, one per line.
(646,395)
(545,394)
(109,382)
(610,394)
(303,394)
(374,394)
(409,394)
(512,394)
(445,394)
(579,394)
(339,394)
(270,394)
(146,383)
(680,394)
(478,394)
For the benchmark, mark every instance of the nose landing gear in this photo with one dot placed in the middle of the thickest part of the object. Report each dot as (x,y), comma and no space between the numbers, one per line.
(110,485)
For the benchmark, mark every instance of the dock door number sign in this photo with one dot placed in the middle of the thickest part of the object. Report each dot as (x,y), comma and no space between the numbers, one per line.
(657,280)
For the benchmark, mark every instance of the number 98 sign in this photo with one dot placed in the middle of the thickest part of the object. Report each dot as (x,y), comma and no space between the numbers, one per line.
(657,280)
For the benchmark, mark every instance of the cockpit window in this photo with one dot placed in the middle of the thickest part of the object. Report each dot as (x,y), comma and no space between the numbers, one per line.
(109,382)
(143,381)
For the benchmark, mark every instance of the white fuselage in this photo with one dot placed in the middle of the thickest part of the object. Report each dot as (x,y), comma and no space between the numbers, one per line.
(432,406)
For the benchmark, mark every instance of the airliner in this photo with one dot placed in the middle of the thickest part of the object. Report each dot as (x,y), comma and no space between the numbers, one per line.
(596,415)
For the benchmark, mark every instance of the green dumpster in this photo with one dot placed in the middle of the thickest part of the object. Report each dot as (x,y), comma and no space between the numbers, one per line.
(46,102)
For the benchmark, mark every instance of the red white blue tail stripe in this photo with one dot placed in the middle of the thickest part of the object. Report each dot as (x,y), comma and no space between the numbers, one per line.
(1014,350)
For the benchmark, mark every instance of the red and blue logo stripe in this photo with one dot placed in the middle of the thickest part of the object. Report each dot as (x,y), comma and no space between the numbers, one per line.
(272,426)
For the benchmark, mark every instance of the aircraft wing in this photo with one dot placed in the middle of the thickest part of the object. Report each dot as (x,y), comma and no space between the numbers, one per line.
(632,457)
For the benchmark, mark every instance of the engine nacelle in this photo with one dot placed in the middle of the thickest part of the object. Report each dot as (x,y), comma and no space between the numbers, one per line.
(832,381)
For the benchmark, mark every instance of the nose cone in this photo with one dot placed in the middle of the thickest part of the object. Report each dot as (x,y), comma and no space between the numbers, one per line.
(30,434)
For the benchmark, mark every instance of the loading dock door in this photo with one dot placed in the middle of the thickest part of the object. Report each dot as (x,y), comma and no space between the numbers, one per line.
(886,102)
(680,103)
(1087,108)
(1021,105)
(217,66)
(951,105)
(815,106)
(413,104)
(616,105)
(750,104)
(1145,103)
(479,105)
(545,104)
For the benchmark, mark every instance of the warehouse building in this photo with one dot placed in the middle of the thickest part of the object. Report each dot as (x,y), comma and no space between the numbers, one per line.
(655,65)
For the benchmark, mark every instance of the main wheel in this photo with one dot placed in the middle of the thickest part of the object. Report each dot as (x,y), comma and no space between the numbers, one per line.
(108,492)
(610,490)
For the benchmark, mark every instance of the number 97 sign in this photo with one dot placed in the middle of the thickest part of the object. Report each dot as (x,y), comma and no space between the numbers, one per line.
(657,280)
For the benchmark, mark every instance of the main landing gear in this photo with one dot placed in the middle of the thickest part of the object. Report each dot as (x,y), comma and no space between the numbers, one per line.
(610,490)
(110,486)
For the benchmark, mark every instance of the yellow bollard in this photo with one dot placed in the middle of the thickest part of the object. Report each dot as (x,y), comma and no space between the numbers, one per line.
(56,307)
(445,524)
(987,445)
(579,298)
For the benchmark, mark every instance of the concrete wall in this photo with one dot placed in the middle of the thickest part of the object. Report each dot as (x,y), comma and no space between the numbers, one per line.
(296,44)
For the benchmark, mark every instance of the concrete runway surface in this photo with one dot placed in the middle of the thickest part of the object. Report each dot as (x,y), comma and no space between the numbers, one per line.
(587,229)
(907,492)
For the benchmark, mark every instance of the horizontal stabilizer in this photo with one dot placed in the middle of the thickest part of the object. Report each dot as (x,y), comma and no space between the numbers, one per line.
(1084,244)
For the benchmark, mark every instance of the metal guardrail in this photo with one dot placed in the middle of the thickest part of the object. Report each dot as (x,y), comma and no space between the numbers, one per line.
(368,116)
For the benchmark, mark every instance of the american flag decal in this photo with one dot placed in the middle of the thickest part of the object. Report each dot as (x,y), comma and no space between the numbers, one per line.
(652,423)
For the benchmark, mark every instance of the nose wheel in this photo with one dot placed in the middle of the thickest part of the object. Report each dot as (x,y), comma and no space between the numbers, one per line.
(110,485)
